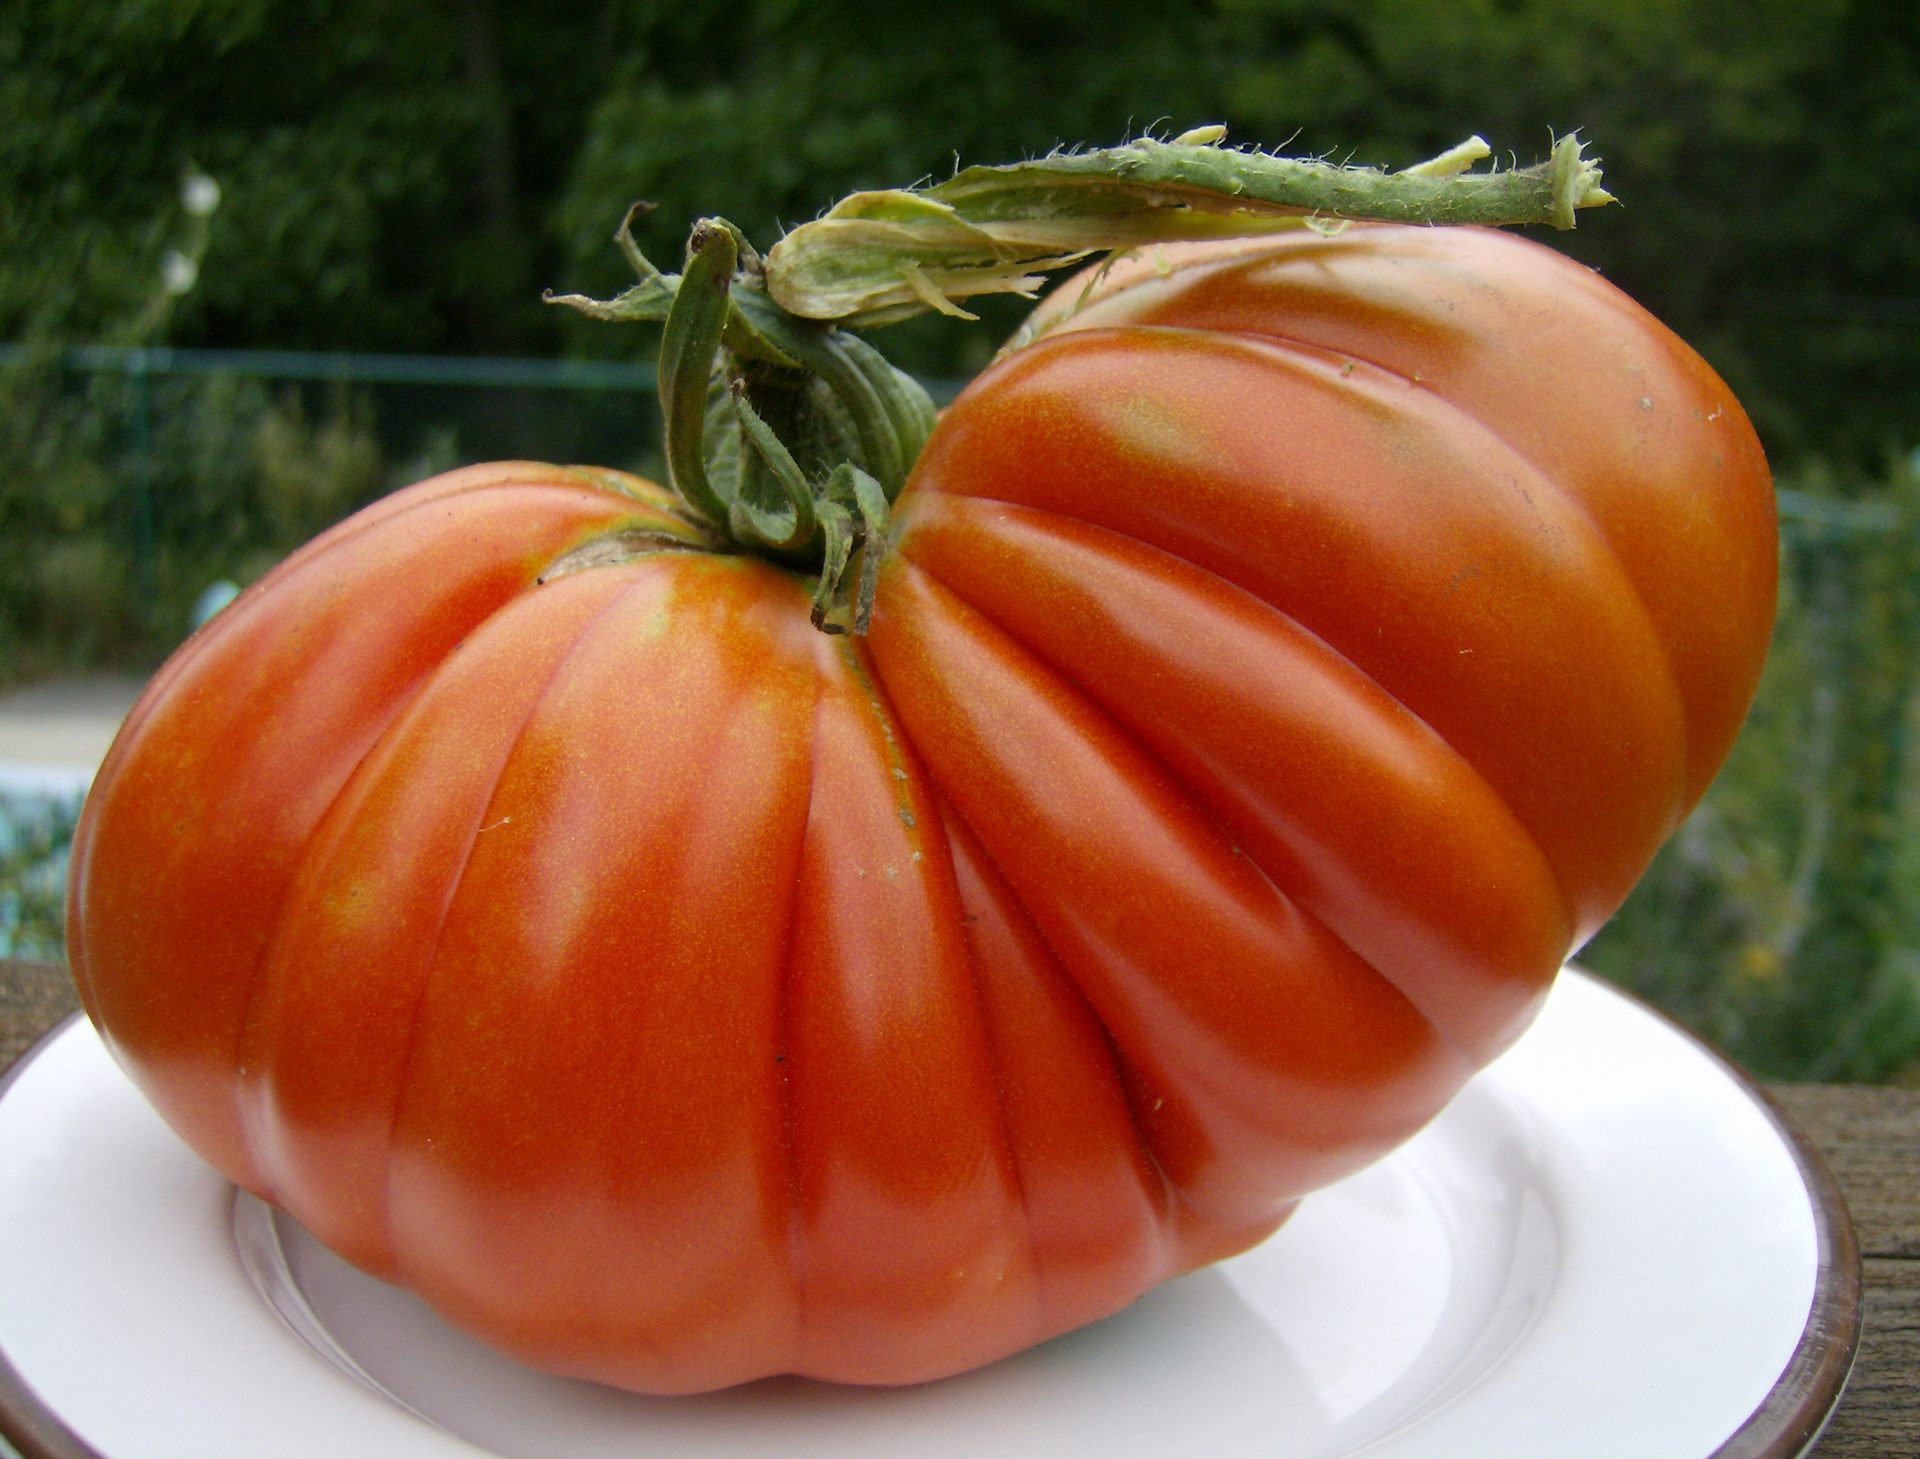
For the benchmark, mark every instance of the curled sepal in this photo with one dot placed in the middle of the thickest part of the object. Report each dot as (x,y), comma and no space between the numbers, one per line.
(889,412)
(647,301)
(836,536)
(689,346)
(882,256)
(853,518)
(651,299)
(790,523)
(872,505)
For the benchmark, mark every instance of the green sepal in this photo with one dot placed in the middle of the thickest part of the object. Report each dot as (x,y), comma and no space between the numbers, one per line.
(872,503)
(836,533)
(791,524)
(689,347)
(650,301)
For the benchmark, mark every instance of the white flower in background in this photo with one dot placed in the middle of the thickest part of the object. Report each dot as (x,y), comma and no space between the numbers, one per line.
(199,194)
(178,272)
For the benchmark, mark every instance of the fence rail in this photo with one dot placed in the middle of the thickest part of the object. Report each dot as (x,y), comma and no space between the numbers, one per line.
(355,368)
(1798,509)
(350,368)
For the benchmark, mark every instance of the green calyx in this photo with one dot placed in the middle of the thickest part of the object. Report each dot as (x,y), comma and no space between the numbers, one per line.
(791,436)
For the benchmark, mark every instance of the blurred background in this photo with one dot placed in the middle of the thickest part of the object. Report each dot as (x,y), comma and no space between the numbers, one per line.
(261,261)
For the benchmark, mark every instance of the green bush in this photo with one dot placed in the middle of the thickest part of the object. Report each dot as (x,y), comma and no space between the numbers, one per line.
(122,498)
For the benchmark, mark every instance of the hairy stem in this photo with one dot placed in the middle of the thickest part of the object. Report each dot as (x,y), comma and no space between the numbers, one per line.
(882,256)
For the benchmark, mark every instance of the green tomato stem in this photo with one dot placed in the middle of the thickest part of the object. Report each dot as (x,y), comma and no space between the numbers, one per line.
(877,257)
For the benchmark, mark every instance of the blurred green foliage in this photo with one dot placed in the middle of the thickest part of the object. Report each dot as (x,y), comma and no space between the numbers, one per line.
(35,834)
(409,179)
(126,496)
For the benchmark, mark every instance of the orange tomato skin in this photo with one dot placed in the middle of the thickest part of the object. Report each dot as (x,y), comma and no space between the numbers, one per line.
(1279,665)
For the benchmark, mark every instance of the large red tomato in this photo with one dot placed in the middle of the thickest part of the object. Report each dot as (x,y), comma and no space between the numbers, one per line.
(1281,662)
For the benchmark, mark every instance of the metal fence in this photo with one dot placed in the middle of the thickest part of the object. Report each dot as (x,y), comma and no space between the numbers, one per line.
(434,410)
(470,397)
(1801,514)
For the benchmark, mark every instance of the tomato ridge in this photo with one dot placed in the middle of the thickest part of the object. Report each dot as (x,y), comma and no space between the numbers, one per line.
(1175,1210)
(1308,349)
(789,1071)
(463,482)
(432,965)
(904,551)
(1208,1109)
(1223,833)
(1171,1200)
(996,1067)
(1552,537)
(1461,299)
(249,1088)
(903,763)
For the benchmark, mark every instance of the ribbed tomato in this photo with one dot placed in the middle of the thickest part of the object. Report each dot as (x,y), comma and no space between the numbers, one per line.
(1281,662)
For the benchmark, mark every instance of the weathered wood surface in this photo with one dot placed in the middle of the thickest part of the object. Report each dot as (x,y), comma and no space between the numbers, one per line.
(1870,1137)
(33,998)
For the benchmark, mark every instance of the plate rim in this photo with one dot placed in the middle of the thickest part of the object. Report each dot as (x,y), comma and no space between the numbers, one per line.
(1790,1419)
(1786,1423)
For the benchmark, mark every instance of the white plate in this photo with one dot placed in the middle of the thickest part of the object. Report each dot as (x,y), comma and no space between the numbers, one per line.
(1609,1245)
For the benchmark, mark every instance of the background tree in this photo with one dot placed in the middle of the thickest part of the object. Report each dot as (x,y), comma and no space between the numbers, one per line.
(410,178)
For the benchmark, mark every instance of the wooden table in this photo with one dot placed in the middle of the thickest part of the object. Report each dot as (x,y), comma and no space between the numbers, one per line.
(1871,1139)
